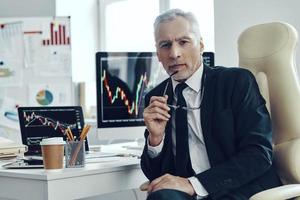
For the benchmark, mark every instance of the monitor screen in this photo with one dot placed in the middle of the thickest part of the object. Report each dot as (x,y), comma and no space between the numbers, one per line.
(37,123)
(123,79)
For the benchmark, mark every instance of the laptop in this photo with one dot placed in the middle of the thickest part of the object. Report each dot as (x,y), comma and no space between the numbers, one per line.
(37,123)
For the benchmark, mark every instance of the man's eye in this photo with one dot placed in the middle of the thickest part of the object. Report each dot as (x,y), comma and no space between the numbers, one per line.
(183,42)
(165,45)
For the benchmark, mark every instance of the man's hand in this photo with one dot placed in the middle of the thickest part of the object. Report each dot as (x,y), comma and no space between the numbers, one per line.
(168,181)
(156,116)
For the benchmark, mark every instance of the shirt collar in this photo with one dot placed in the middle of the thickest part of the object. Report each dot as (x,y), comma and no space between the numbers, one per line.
(194,82)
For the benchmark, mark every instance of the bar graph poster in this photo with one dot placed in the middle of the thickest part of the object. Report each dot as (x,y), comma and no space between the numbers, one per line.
(48,48)
(47,43)
(49,95)
(59,34)
(11,54)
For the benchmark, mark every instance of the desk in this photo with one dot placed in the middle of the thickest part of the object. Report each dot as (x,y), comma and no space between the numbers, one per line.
(94,179)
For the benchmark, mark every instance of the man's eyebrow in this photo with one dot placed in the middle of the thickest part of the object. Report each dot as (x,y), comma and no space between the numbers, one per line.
(176,39)
(183,38)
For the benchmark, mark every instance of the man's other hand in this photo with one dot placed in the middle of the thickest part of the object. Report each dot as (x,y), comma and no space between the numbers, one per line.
(168,181)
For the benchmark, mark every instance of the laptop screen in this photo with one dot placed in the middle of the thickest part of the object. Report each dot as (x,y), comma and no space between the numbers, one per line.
(37,123)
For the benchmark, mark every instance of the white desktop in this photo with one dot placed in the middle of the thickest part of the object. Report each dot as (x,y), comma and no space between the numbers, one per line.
(101,176)
(96,178)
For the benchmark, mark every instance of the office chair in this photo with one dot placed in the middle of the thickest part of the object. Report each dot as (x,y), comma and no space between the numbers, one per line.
(268,51)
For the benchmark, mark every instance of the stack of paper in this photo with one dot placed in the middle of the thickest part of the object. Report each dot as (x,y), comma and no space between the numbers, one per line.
(9,148)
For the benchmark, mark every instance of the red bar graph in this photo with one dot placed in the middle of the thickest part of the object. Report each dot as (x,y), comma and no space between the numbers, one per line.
(51,32)
(57,35)
(64,34)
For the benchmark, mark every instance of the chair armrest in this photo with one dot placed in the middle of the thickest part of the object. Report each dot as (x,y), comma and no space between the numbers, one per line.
(278,193)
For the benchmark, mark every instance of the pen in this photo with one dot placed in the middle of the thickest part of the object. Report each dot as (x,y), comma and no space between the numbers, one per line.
(167,85)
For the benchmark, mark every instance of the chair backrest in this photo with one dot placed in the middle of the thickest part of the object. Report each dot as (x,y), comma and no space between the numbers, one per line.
(268,51)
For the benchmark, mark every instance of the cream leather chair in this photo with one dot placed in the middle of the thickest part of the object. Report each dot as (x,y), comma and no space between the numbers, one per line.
(268,51)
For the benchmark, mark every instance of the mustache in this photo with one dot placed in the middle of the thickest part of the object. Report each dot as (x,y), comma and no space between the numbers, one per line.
(175,64)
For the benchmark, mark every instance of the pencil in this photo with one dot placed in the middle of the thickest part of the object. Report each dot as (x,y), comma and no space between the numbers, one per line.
(68,135)
(85,132)
(71,134)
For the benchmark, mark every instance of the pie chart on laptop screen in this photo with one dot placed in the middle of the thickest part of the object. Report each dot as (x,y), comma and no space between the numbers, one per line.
(44,97)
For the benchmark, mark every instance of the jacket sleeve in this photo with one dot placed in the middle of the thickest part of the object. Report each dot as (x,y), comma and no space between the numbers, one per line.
(150,166)
(164,162)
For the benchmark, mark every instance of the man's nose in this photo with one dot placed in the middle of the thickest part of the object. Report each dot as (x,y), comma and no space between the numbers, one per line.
(175,52)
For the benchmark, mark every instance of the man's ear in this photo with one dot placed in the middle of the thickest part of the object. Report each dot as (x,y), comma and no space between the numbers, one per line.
(201,46)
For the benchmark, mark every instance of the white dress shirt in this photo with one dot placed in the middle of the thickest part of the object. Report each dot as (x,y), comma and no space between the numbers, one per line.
(197,149)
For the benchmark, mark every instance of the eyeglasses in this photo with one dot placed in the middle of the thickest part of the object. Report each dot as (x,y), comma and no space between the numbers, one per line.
(175,107)
(187,108)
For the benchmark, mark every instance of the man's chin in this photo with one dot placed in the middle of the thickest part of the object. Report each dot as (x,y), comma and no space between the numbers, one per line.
(179,78)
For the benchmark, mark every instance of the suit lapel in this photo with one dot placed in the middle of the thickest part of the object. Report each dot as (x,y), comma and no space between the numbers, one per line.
(170,101)
(207,108)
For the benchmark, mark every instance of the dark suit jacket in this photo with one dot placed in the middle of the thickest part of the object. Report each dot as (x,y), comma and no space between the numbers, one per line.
(237,132)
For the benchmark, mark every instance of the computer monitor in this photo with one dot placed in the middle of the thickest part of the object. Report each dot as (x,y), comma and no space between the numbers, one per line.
(37,123)
(123,79)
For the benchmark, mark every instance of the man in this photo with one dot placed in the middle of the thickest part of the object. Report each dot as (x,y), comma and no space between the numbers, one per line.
(211,138)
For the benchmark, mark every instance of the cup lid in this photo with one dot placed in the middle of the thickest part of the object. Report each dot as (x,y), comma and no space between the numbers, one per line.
(52,141)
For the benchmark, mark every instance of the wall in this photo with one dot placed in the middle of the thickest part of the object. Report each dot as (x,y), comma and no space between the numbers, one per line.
(27,8)
(83,33)
(22,8)
(233,16)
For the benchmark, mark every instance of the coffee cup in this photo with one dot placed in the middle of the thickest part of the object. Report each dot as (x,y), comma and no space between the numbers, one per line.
(53,152)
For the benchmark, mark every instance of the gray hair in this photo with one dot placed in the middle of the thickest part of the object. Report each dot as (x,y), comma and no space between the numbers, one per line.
(170,15)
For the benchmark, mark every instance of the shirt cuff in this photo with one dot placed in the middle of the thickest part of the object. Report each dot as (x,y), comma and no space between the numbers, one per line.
(154,151)
(198,187)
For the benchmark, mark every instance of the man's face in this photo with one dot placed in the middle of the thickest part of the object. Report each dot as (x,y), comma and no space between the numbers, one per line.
(177,48)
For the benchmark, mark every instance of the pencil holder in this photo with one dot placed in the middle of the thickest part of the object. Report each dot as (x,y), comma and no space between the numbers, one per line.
(75,154)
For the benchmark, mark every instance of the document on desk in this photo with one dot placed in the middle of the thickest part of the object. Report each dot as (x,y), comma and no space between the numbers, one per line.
(95,154)
(9,148)
(102,160)
(101,157)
